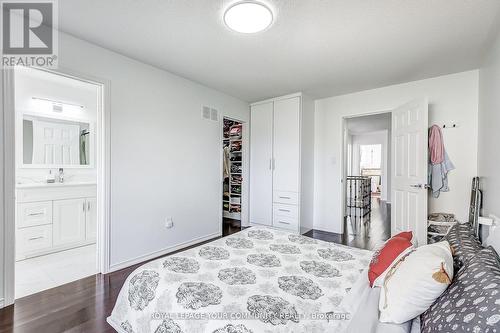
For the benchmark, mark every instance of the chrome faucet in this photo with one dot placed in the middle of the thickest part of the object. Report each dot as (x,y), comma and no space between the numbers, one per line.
(61,175)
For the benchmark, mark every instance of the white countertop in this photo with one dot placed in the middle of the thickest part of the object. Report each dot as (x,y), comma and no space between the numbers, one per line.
(56,184)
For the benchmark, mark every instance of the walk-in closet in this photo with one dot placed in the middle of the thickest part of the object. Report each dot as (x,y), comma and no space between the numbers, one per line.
(232,174)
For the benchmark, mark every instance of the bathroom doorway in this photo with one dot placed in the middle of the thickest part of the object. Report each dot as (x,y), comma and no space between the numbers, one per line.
(57,156)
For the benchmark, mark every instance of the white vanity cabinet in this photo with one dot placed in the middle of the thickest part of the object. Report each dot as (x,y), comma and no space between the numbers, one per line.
(91,219)
(54,217)
(68,224)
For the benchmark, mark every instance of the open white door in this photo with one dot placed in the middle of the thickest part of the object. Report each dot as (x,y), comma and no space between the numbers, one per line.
(409,169)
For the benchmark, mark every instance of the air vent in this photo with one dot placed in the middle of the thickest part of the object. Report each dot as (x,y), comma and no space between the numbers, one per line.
(214,114)
(209,113)
(205,112)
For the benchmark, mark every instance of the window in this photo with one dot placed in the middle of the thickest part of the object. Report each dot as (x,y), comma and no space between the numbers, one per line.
(370,156)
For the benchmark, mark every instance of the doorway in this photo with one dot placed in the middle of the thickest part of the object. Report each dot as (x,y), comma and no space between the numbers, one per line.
(405,206)
(232,177)
(59,176)
(367,165)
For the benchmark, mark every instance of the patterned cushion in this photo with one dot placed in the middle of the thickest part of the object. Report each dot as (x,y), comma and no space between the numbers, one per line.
(472,302)
(464,244)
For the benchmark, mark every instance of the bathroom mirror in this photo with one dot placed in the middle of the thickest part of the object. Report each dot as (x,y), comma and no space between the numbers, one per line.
(51,142)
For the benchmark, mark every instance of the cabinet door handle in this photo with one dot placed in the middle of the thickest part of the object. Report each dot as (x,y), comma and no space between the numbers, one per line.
(84,206)
(274,163)
(284,197)
(283,222)
(36,214)
(35,238)
(284,210)
(88,206)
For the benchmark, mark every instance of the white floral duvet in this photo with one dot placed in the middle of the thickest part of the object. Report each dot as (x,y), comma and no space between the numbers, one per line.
(258,280)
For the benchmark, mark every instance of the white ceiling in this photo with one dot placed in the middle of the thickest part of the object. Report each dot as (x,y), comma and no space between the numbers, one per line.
(321,47)
(368,124)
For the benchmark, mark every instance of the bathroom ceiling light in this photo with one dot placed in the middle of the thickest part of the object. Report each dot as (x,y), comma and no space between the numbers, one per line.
(248,17)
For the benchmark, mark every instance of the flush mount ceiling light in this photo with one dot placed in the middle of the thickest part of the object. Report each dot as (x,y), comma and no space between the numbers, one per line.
(248,17)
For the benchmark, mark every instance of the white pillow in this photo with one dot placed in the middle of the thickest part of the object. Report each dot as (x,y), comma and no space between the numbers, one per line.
(413,284)
(380,279)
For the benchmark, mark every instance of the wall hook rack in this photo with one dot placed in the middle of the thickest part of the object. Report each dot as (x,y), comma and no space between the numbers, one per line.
(450,125)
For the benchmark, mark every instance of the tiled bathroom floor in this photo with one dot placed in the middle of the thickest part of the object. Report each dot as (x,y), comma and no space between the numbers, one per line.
(52,270)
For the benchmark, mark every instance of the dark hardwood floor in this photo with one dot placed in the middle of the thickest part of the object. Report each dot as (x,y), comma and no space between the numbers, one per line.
(84,305)
(369,235)
(230,226)
(80,306)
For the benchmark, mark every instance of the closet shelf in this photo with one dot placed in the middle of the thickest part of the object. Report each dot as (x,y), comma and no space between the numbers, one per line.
(232,139)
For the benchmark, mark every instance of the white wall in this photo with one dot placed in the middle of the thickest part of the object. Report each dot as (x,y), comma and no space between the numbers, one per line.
(31,83)
(451,98)
(165,160)
(489,136)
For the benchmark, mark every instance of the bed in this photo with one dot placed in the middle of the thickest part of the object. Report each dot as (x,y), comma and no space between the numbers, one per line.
(257,280)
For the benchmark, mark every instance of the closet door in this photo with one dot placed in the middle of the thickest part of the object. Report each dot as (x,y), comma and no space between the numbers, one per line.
(261,152)
(286,147)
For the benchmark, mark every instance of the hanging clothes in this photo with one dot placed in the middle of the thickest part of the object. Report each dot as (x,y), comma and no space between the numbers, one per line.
(227,170)
(439,162)
(83,147)
(436,145)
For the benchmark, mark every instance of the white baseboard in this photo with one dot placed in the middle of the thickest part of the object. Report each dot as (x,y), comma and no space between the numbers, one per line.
(2,303)
(156,254)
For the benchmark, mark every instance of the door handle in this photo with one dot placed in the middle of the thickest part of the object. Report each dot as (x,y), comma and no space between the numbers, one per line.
(35,238)
(88,206)
(284,210)
(281,197)
(274,163)
(83,206)
(283,222)
(426,186)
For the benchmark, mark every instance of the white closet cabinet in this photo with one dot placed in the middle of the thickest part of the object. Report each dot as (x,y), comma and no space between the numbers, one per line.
(280,176)
(261,175)
(286,146)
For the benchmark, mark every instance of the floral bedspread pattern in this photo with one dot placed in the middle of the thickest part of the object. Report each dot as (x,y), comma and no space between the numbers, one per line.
(258,280)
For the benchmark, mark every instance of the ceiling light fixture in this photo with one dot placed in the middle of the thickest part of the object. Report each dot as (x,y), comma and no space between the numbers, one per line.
(248,17)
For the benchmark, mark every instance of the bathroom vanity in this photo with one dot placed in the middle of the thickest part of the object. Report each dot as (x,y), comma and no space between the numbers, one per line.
(54,217)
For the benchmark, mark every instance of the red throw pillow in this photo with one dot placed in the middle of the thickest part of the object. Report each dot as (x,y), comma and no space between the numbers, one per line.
(383,258)
(406,235)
